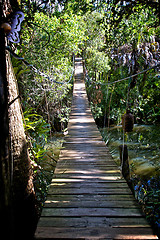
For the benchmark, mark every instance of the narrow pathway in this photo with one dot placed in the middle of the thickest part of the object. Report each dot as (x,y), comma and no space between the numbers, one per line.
(87,198)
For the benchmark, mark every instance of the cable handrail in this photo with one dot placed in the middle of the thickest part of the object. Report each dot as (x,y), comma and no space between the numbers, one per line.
(123,79)
(37,70)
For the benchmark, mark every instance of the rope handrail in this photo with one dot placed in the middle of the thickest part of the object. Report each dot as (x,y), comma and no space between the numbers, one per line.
(37,70)
(123,79)
(134,75)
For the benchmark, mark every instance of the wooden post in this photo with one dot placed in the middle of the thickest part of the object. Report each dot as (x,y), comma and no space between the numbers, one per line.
(124,161)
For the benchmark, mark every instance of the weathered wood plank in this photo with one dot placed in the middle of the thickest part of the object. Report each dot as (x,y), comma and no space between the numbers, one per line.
(93,222)
(87,204)
(122,198)
(98,159)
(79,139)
(83,162)
(89,144)
(84,152)
(95,233)
(86,185)
(92,177)
(103,191)
(90,164)
(87,180)
(90,172)
(100,212)
(91,160)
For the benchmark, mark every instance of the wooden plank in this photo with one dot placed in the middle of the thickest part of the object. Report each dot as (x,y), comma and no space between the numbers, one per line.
(91,163)
(76,180)
(87,197)
(84,133)
(104,185)
(95,233)
(85,165)
(80,175)
(94,142)
(86,147)
(97,159)
(88,157)
(80,139)
(100,212)
(93,222)
(72,203)
(88,175)
(84,162)
(104,191)
(81,153)
(79,168)
(84,152)
(90,172)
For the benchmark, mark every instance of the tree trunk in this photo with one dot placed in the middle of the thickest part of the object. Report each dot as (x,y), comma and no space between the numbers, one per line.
(23,189)
(5,166)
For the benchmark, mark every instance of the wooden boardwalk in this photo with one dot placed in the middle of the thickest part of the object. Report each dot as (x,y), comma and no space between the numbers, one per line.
(88,198)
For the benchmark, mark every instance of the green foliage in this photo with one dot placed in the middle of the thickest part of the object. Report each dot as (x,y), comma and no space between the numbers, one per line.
(43,158)
(49,43)
(98,60)
(38,131)
(148,194)
(131,47)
